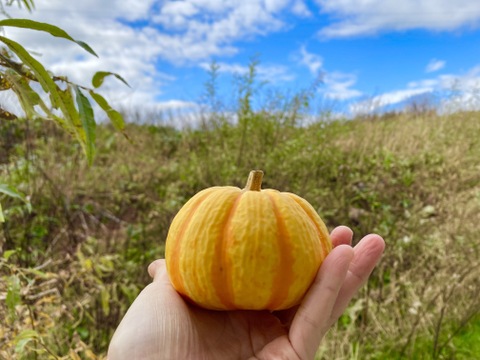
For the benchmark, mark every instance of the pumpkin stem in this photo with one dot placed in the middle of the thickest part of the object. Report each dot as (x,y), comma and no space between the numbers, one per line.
(254,182)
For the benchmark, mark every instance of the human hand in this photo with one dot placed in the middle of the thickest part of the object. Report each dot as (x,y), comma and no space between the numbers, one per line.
(161,325)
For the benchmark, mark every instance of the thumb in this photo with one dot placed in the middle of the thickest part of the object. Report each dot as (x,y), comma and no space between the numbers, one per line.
(311,321)
(158,270)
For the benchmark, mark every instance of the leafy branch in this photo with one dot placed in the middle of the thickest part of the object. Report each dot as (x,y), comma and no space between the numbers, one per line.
(70,108)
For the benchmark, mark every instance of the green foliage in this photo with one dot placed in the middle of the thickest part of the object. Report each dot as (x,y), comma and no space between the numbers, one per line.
(115,117)
(99,76)
(88,123)
(51,29)
(77,120)
(13,193)
(77,116)
(96,231)
(28,4)
(81,296)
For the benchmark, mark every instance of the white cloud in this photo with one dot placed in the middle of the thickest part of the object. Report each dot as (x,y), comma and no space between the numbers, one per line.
(365,17)
(463,90)
(275,74)
(434,65)
(128,51)
(378,102)
(467,82)
(312,61)
(177,105)
(131,37)
(227,68)
(270,73)
(397,96)
(300,8)
(205,28)
(339,86)
(455,92)
(175,14)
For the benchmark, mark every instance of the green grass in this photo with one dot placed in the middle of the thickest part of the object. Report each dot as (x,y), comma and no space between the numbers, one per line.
(80,257)
(466,343)
(463,345)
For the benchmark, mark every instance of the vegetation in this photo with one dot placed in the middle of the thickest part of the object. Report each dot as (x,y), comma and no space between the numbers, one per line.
(48,97)
(71,266)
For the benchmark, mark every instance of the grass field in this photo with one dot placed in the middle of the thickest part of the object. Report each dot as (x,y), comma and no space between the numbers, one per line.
(70,267)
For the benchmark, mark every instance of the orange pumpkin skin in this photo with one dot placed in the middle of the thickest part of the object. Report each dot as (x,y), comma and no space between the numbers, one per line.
(250,249)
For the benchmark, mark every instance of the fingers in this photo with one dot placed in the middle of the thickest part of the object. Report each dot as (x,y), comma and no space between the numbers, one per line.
(367,253)
(158,270)
(341,235)
(312,319)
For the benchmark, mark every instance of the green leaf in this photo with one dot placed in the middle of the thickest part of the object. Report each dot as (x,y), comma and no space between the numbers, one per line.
(115,117)
(27,96)
(51,29)
(83,332)
(22,83)
(20,346)
(14,193)
(97,79)
(8,253)
(105,300)
(88,123)
(47,83)
(13,294)
(29,4)
(2,218)
(22,339)
(40,274)
(26,334)
(60,99)
(73,123)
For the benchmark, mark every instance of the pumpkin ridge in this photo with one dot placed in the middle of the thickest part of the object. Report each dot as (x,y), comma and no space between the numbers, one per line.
(221,270)
(284,277)
(175,256)
(325,243)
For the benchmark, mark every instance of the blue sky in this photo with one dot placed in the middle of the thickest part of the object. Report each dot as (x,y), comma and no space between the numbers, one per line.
(371,54)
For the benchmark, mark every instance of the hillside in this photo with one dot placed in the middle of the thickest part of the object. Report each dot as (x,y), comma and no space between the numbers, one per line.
(71,266)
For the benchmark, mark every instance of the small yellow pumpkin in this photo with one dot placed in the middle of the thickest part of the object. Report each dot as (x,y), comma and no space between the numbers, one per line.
(252,249)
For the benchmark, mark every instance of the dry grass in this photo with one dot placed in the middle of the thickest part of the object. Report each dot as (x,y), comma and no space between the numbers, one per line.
(427,286)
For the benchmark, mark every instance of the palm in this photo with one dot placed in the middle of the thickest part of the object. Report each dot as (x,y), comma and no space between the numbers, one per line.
(197,333)
(161,325)
(230,335)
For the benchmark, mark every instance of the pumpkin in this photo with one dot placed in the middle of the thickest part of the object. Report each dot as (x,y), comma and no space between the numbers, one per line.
(252,249)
